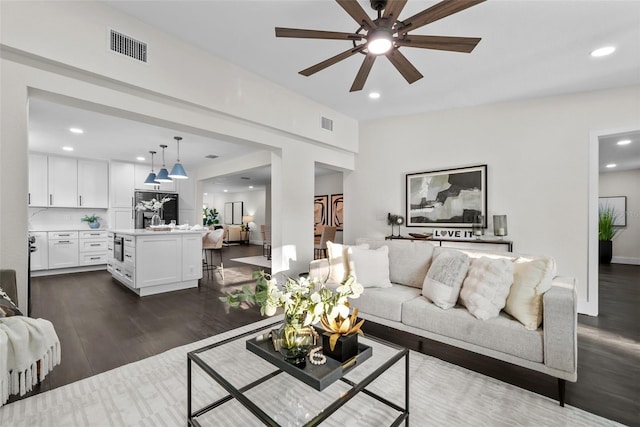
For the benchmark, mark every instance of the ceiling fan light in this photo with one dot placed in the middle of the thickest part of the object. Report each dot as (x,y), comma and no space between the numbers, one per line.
(379,41)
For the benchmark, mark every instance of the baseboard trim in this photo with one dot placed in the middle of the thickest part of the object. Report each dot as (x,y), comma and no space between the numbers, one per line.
(625,260)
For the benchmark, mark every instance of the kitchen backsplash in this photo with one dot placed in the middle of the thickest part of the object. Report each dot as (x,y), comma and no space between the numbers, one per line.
(51,219)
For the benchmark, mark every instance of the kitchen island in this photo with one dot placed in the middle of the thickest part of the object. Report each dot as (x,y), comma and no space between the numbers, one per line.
(152,262)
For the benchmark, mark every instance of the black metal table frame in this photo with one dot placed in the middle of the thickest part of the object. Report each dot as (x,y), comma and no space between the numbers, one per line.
(238,394)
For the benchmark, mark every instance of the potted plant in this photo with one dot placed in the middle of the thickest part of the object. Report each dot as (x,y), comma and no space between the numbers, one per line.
(606,232)
(209,217)
(92,220)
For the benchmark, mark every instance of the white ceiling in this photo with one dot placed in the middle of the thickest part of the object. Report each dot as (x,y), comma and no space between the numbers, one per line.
(625,157)
(529,48)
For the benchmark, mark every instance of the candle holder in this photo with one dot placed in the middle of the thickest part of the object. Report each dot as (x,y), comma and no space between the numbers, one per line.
(478,226)
(500,226)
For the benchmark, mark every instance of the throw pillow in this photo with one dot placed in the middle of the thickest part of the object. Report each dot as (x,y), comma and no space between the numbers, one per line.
(7,307)
(339,260)
(531,279)
(485,290)
(370,267)
(444,278)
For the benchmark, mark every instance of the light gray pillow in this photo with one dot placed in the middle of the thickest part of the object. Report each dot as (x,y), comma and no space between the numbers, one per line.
(444,278)
(370,267)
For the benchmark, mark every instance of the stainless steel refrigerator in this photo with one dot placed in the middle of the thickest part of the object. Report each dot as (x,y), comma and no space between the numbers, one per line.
(169,210)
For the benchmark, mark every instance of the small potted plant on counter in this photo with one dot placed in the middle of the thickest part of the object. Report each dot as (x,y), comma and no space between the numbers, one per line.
(92,220)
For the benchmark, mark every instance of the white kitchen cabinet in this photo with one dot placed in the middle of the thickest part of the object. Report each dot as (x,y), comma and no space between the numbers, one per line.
(122,218)
(63,182)
(158,260)
(93,184)
(92,247)
(40,258)
(191,257)
(122,185)
(63,249)
(38,190)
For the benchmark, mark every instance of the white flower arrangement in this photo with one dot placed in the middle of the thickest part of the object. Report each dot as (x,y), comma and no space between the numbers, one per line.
(152,205)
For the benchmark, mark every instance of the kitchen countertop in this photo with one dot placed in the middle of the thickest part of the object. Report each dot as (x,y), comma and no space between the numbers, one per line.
(49,229)
(143,232)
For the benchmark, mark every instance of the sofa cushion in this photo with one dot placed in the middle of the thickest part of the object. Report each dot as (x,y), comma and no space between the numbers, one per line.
(444,278)
(486,287)
(531,279)
(385,302)
(409,260)
(370,267)
(502,333)
(338,255)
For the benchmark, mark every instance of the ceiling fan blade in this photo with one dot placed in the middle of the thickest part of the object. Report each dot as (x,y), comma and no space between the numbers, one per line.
(363,73)
(402,64)
(328,62)
(434,13)
(452,44)
(353,8)
(394,8)
(316,34)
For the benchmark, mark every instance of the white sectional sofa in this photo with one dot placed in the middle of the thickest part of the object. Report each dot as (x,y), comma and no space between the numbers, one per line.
(550,348)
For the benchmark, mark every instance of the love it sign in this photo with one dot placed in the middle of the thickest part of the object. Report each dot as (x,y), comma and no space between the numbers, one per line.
(453,234)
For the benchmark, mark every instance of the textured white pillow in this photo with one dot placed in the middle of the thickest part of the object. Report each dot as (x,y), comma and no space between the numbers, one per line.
(444,278)
(370,267)
(485,290)
(531,279)
(339,260)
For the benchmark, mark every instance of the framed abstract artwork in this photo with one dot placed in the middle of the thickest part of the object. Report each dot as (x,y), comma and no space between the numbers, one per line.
(619,206)
(320,210)
(447,198)
(336,211)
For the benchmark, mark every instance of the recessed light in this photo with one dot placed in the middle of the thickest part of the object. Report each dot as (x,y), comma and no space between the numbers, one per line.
(624,142)
(251,186)
(76,130)
(225,190)
(374,95)
(611,165)
(67,148)
(140,159)
(205,194)
(603,51)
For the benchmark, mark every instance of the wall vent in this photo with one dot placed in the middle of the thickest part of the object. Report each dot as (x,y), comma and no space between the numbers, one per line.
(327,124)
(211,156)
(127,46)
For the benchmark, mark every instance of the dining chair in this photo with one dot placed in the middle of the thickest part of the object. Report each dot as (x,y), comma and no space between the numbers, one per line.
(328,235)
(266,240)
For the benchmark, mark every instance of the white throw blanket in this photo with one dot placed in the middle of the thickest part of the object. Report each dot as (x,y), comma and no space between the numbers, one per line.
(24,342)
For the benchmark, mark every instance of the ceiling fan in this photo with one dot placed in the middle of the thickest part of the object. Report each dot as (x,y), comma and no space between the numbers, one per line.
(386,34)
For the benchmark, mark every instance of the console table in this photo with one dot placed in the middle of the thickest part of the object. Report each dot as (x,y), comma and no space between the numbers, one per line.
(492,244)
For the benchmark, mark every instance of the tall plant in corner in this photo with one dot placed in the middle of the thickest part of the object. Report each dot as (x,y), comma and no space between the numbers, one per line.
(606,232)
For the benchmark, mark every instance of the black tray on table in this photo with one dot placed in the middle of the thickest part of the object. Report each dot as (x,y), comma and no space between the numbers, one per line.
(316,376)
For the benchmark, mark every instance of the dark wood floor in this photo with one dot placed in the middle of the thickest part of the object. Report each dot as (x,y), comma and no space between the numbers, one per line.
(102,325)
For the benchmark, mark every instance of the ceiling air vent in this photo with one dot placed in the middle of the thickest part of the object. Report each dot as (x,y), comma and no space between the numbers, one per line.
(211,156)
(127,46)
(327,124)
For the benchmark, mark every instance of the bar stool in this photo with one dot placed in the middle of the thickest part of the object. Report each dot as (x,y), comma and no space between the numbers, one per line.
(212,242)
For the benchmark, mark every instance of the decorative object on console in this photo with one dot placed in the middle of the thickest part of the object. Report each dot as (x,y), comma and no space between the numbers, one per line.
(606,232)
(447,198)
(92,220)
(394,220)
(305,303)
(151,178)
(500,226)
(478,226)
(337,215)
(163,174)
(178,172)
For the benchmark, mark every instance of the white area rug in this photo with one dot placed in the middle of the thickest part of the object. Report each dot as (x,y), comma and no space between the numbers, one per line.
(153,392)
(260,261)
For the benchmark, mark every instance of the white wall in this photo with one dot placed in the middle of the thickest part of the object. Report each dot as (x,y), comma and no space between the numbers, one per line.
(626,244)
(330,184)
(537,152)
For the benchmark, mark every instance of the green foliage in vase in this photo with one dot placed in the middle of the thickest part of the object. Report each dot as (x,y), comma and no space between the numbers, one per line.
(606,217)
(90,218)
(210,217)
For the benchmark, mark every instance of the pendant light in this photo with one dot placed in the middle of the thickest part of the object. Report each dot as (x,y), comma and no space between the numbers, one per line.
(151,178)
(177,172)
(163,174)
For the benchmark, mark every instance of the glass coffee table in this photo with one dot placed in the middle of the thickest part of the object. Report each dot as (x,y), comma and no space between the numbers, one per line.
(232,385)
